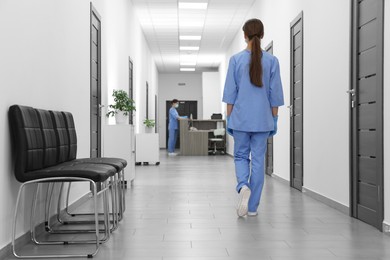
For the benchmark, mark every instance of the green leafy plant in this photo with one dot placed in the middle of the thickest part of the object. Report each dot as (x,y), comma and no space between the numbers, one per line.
(122,103)
(149,123)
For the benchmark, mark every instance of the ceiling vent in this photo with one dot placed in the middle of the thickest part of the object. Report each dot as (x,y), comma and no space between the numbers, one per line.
(181,84)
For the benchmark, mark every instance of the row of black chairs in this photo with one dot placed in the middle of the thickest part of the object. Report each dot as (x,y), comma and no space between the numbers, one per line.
(45,147)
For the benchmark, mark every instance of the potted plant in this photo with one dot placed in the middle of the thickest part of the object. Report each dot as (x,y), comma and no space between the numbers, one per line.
(122,106)
(149,124)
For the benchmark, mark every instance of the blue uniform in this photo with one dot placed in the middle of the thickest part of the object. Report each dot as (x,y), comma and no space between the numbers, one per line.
(251,118)
(173,127)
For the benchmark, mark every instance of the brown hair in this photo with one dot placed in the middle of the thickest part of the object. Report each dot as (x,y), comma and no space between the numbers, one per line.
(254,30)
(174,101)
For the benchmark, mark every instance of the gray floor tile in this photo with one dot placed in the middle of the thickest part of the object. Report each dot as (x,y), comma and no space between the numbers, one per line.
(184,209)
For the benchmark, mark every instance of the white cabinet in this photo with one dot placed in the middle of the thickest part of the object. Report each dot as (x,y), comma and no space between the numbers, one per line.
(119,142)
(147,148)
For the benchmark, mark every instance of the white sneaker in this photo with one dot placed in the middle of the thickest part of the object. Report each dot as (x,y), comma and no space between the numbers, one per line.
(172,154)
(252,214)
(242,207)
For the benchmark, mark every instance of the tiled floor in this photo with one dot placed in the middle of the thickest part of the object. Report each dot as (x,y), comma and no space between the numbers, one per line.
(184,209)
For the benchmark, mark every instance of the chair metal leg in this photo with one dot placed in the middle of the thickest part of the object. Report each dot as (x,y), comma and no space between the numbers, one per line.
(33,209)
(115,194)
(105,230)
(82,222)
(49,197)
(13,243)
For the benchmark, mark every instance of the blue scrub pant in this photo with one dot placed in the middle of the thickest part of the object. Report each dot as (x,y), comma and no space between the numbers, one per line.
(250,172)
(172,138)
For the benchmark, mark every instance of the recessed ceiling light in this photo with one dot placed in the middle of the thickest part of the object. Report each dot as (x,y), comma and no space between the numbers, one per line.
(191,24)
(189,48)
(187,69)
(202,6)
(188,63)
(190,38)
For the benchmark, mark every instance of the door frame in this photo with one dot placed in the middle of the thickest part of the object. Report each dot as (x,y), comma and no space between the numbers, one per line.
(95,13)
(267,48)
(147,100)
(295,21)
(131,88)
(353,113)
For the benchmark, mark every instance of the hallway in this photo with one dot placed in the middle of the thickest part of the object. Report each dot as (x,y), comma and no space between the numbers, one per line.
(185,209)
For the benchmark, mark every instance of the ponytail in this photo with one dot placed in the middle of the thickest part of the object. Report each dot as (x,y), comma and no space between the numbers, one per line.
(256,68)
(254,30)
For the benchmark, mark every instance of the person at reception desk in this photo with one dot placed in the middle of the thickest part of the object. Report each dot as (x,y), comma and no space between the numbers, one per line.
(173,127)
(253,92)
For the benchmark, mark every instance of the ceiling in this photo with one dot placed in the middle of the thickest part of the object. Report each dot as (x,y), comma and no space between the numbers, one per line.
(162,22)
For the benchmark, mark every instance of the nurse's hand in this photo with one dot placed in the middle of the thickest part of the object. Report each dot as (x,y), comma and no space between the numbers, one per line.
(273,132)
(229,130)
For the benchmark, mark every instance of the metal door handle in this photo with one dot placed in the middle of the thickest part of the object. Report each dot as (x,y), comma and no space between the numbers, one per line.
(100,109)
(291,110)
(352,92)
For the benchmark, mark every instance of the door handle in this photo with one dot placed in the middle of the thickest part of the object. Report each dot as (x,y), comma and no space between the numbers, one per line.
(352,92)
(100,109)
(291,110)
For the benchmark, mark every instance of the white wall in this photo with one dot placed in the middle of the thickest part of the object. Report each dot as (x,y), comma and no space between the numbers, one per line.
(169,89)
(325,102)
(387,113)
(45,64)
(123,39)
(211,88)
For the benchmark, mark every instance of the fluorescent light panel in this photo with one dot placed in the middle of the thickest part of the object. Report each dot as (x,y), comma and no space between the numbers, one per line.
(187,69)
(188,63)
(189,48)
(190,37)
(191,24)
(201,6)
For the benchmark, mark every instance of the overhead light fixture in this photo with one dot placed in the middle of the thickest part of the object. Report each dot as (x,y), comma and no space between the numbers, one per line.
(201,6)
(187,69)
(189,48)
(190,37)
(188,63)
(191,24)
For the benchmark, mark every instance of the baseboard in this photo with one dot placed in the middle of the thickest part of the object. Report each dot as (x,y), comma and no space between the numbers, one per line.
(386,228)
(331,203)
(19,242)
(80,201)
(280,179)
(26,237)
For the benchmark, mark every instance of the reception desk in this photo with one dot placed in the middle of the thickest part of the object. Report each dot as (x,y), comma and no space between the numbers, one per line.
(196,142)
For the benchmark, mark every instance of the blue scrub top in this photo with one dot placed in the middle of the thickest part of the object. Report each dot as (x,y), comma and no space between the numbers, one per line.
(173,116)
(252,110)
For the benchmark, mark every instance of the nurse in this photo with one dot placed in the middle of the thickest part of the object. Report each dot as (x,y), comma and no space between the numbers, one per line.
(173,127)
(253,92)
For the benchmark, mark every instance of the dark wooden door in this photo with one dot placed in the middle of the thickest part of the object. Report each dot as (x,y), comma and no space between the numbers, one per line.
(296,102)
(269,156)
(366,108)
(186,108)
(95,82)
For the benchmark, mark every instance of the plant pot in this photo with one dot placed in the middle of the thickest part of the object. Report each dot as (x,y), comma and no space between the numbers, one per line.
(149,130)
(120,118)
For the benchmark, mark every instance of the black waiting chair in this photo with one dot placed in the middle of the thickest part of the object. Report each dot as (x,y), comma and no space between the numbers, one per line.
(55,141)
(66,136)
(40,160)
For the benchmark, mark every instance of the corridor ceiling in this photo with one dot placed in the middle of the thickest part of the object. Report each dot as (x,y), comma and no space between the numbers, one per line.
(163,22)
